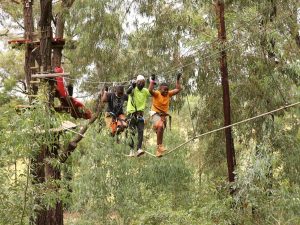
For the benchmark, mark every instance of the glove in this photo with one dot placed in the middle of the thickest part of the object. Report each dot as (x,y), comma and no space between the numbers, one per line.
(133,83)
(152,77)
(178,76)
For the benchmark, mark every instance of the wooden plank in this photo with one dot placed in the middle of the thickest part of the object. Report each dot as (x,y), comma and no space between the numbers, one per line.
(49,75)
(65,126)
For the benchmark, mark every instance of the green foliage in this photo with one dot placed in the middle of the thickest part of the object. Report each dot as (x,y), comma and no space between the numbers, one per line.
(115,40)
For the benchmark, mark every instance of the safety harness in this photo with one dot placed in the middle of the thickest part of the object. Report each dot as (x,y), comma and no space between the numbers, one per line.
(163,116)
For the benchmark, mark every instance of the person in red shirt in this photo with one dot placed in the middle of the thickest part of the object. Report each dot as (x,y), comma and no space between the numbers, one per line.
(160,108)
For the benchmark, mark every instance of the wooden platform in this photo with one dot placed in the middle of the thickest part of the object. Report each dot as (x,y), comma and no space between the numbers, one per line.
(55,41)
(66,125)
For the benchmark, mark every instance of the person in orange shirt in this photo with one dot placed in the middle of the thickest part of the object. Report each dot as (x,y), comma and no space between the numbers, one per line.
(160,108)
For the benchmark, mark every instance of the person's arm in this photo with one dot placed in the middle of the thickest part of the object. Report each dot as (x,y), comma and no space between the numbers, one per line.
(178,85)
(104,97)
(151,85)
(131,87)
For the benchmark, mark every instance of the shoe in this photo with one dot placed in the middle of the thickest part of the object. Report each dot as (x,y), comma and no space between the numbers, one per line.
(139,152)
(131,154)
(160,151)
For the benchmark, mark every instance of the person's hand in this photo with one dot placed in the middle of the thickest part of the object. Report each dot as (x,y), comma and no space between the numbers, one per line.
(152,77)
(178,76)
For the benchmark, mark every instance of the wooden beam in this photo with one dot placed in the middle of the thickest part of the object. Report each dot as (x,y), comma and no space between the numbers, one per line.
(49,75)
(65,126)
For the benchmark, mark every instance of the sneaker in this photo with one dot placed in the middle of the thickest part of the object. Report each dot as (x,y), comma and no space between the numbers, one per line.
(139,152)
(131,154)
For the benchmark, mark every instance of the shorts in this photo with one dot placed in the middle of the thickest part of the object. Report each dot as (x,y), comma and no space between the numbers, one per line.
(158,121)
(113,124)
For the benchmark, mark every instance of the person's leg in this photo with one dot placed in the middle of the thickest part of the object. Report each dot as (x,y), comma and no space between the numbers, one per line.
(109,123)
(113,128)
(132,128)
(160,126)
(140,129)
(121,123)
(107,119)
(160,133)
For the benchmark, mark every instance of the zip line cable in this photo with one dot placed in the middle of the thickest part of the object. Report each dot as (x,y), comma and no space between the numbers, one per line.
(175,68)
(231,125)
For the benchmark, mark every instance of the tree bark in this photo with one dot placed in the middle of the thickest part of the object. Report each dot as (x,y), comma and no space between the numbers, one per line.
(28,35)
(231,163)
(46,34)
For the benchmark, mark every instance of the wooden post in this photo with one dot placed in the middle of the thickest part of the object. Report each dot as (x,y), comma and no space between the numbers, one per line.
(231,163)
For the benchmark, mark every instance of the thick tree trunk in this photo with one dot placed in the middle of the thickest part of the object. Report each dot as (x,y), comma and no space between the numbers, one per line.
(37,169)
(54,214)
(226,95)
(38,174)
(28,35)
(46,34)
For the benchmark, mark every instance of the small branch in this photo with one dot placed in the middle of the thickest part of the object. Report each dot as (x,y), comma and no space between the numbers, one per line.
(20,25)
(5,34)
(14,1)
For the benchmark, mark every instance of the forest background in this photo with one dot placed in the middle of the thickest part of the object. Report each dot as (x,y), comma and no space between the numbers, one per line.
(113,40)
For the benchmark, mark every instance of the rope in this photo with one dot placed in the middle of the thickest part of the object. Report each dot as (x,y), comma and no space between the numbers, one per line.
(175,68)
(149,153)
(231,125)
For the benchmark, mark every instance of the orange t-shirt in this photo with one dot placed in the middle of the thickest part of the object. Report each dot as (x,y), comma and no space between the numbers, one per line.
(160,103)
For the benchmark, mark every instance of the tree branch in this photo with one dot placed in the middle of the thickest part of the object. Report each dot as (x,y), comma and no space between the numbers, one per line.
(68,3)
(73,143)
(14,1)
(5,33)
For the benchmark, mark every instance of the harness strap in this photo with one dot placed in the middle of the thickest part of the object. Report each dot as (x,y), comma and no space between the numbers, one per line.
(165,115)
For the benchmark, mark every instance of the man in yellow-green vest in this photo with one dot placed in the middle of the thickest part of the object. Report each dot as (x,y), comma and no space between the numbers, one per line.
(137,99)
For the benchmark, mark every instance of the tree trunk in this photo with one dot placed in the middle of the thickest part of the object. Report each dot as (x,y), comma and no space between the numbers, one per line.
(28,35)
(46,34)
(226,95)
(55,213)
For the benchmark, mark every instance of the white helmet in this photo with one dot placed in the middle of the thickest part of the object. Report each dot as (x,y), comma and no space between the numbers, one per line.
(140,77)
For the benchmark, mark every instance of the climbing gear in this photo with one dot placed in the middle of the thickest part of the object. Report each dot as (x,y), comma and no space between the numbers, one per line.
(117,124)
(162,118)
(140,77)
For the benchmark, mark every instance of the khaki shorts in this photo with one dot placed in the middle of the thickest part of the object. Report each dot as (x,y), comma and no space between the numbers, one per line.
(158,121)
